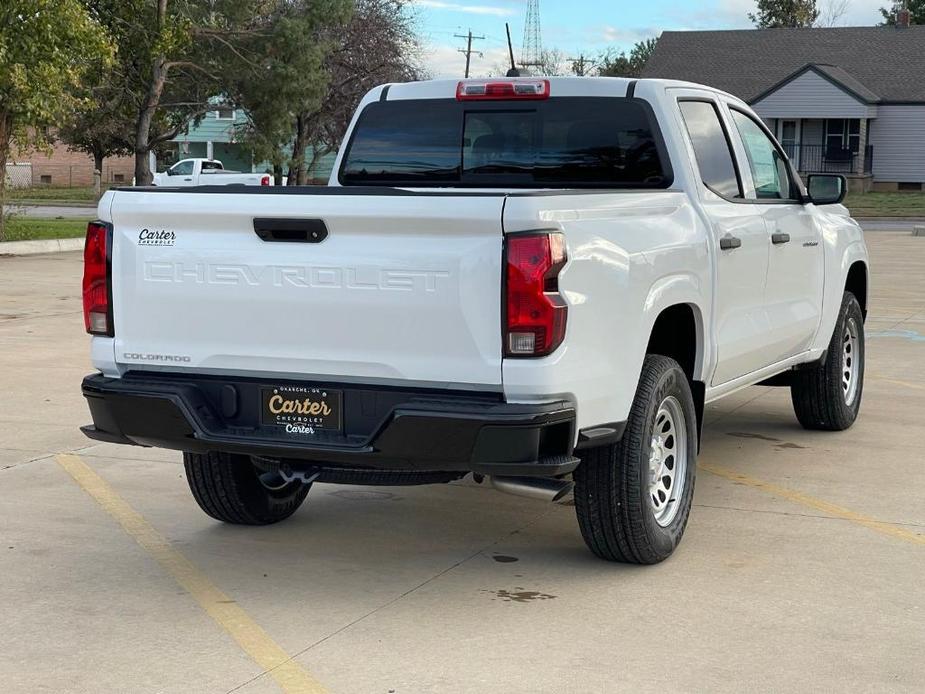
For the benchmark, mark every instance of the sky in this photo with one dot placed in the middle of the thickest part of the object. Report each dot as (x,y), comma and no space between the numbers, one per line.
(580,26)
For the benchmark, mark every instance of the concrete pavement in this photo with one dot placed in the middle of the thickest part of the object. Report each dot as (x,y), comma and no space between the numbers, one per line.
(801,569)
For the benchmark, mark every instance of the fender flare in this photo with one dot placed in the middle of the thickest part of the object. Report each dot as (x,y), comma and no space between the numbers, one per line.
(673,290)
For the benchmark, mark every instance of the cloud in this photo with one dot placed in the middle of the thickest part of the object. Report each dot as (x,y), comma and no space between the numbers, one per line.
(490,10)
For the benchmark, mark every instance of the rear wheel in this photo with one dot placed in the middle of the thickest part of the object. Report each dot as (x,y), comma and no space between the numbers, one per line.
(232,489)
(827,395)
(633,498)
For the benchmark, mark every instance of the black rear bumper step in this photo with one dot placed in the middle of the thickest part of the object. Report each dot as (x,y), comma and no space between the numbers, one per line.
(383,428)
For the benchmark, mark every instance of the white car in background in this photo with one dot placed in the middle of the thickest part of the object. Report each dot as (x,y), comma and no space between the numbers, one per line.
(207,172)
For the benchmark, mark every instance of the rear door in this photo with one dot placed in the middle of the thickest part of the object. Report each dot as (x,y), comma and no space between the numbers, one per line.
(399,286)
(740,241)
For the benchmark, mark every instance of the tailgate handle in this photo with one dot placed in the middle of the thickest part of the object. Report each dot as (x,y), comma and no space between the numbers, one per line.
(291,230)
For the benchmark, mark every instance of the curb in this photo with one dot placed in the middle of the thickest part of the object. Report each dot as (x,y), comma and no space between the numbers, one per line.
(40,246)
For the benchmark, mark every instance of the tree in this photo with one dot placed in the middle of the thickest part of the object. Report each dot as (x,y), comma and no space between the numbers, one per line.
(289,75)
(832,13)
(174,57)
(774,14)
(46,46)
(102,126)
(916,10)
(613,64)
(378,45)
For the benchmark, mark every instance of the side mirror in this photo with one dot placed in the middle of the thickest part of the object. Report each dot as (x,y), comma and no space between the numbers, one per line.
(826,189)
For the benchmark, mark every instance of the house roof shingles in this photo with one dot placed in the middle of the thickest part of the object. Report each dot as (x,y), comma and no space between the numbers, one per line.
(883,62)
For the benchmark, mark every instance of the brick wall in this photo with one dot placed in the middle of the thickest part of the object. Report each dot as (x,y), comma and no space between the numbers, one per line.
(67,169)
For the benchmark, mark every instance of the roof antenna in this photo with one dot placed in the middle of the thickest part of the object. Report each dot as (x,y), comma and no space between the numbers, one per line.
(513,72)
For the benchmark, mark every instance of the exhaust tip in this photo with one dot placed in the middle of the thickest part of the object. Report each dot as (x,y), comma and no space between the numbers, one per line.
(540,488)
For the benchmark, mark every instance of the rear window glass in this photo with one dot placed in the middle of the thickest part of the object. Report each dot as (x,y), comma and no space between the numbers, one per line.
(562,142)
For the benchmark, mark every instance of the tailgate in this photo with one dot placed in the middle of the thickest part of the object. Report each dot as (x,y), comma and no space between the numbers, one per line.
(405,287)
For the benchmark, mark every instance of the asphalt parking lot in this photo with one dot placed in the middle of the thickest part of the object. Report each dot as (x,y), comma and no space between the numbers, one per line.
(801,570)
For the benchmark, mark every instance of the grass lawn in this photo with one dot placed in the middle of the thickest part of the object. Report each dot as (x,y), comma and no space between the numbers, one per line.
(30,228)
(886,204)
(49,194)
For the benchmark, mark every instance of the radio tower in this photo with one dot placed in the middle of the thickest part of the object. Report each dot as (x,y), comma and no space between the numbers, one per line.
(532,51)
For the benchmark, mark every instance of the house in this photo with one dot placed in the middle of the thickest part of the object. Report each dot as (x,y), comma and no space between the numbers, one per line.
(61,167)
(845,100)
(217,135)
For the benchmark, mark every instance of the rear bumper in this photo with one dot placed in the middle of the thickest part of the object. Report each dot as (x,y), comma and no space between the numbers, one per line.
(384,428)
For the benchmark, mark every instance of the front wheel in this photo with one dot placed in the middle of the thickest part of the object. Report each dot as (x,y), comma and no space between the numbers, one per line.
(232,489)
(827,395)
(633,498)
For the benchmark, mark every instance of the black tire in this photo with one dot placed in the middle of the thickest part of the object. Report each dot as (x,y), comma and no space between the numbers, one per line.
(229,488)
(819,391)
(612,483)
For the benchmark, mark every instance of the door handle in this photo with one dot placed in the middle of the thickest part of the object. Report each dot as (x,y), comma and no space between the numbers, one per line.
(780,237)
(728,242)
(290,230)
(187,179)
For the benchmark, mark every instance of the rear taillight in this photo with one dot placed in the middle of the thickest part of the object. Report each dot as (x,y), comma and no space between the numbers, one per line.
(97,294)
(493,90)
(265,181)
(535,311)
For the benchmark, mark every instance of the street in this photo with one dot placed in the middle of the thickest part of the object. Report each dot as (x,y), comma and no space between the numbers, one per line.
(801,569)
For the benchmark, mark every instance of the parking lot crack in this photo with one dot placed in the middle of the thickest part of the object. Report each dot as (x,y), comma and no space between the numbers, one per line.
(802,515)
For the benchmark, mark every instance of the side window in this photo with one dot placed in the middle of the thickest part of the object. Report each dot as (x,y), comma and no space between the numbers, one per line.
(768,166)
(711,147)
(183,168)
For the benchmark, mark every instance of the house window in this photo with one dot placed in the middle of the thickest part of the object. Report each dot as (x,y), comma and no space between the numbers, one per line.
(118,178)
(224,114)
(843,134)
(45,179)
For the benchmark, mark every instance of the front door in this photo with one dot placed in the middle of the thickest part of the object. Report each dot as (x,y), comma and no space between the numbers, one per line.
(793,296)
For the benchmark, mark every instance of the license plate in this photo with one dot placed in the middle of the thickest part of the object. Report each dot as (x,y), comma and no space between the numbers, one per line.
(301,410)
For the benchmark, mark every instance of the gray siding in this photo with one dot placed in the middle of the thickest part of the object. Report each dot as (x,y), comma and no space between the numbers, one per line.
(898,138)
(812,96)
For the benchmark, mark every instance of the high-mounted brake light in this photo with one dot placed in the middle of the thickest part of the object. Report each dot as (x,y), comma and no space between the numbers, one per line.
(487,90)
(97,292)
(265,181)
(535,311)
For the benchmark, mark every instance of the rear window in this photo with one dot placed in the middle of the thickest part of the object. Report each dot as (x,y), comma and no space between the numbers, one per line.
(564,142)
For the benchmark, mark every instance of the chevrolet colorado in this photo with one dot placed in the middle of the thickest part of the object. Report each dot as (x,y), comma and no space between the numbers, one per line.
(540,282)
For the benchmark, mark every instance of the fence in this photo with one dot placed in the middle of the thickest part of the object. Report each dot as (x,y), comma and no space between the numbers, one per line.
(19,175)
(822,159)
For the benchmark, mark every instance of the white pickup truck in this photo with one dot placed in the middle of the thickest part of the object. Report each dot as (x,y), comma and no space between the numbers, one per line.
(201,172)
(540,282)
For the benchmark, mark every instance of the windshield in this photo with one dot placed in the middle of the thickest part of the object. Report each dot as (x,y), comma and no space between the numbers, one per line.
(562,142)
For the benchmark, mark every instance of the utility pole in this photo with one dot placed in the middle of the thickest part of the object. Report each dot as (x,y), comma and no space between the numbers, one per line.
(581,64)
(468,49)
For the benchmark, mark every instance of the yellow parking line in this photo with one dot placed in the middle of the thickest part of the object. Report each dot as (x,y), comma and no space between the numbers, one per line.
(818,504)
(896,382)
(252,639)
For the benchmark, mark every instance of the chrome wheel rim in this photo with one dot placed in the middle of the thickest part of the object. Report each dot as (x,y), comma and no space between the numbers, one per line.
(667,461)
(850,362)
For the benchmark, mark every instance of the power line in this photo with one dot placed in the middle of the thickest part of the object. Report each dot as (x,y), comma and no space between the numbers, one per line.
(468,49)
